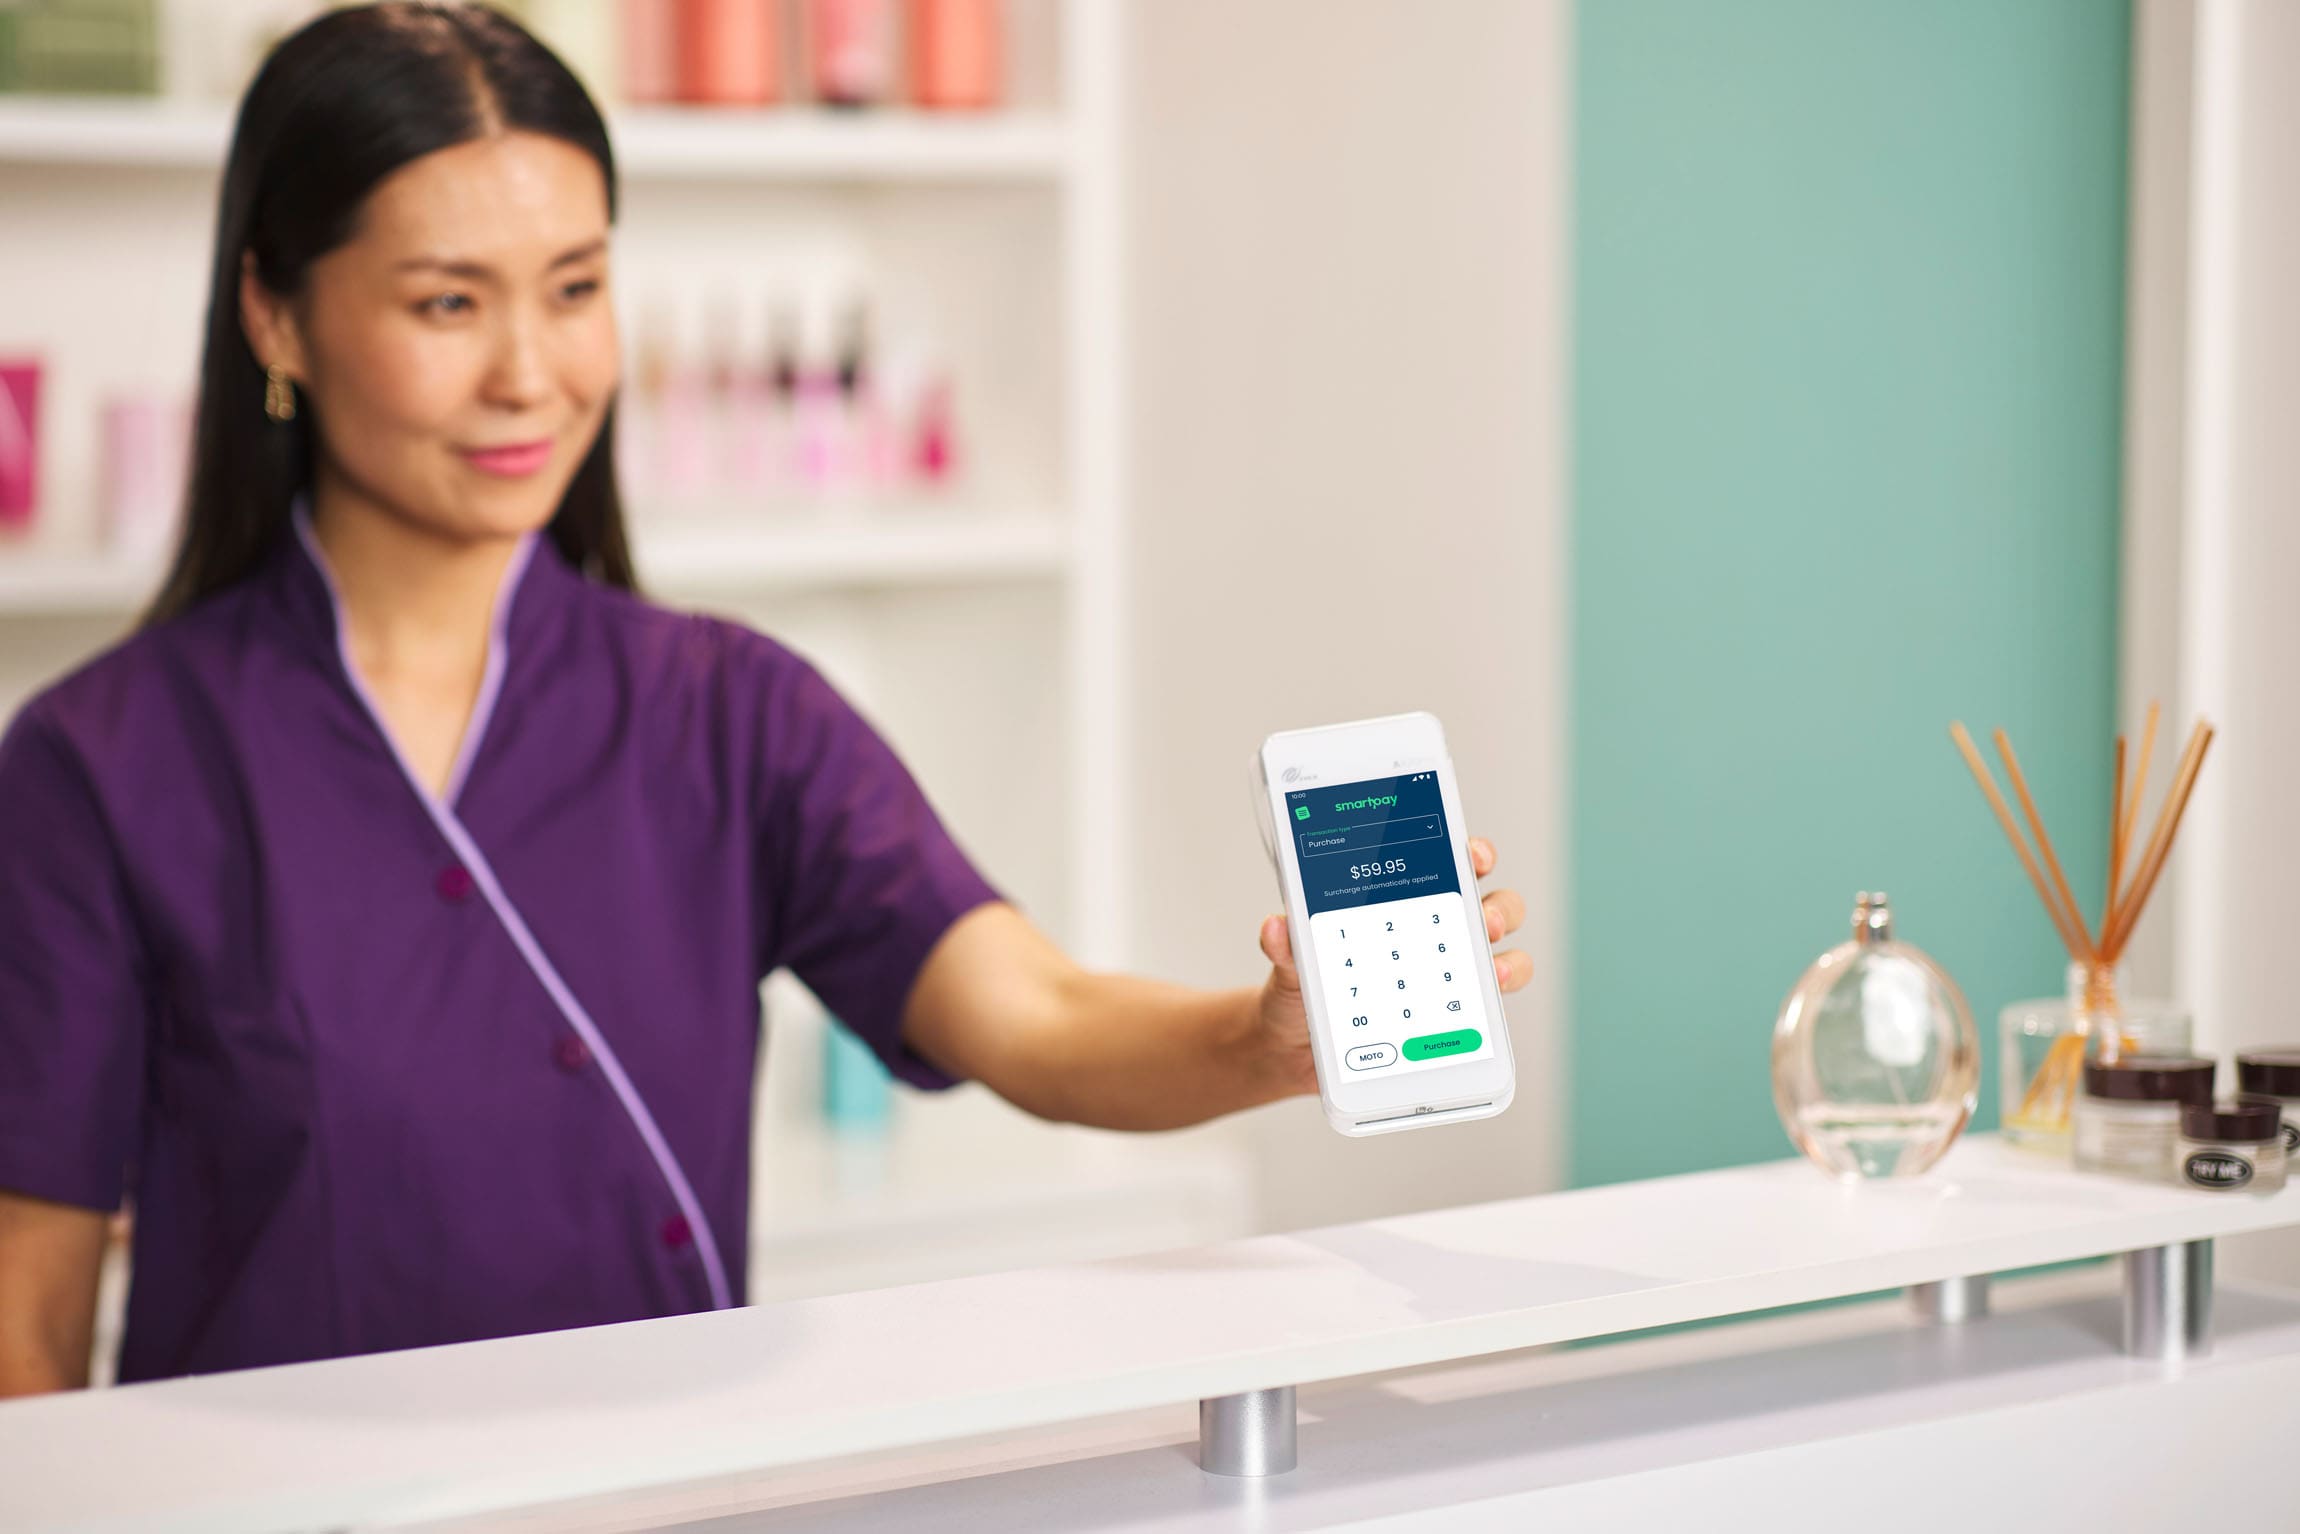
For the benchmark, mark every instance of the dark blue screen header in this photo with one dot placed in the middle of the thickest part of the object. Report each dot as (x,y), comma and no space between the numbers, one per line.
(1362,843)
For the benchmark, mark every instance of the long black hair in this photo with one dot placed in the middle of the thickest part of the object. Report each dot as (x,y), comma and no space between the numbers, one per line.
(337,107)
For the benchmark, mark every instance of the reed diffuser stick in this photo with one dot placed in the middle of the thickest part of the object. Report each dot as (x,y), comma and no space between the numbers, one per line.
(2129,815)
(1988,783)
(2159,836)
(2160,846)
(2115,839)
(2083,949)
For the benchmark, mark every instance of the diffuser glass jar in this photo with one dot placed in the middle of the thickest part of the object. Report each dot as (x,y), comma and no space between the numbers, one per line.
(2044,1044)
(1875,1063)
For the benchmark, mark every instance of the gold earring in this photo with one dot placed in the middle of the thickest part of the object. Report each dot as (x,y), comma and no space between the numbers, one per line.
(279,394)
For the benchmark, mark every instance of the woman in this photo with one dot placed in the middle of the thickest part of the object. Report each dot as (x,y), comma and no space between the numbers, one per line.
(387,916)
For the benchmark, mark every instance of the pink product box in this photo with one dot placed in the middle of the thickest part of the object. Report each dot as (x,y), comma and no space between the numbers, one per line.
(19,441)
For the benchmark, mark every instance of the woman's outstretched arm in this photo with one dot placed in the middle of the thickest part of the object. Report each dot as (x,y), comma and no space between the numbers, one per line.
(997,1002)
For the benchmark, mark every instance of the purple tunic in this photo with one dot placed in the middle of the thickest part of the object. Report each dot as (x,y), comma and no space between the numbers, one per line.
(383,1070)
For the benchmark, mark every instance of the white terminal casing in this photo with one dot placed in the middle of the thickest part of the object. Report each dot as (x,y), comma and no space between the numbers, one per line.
(1392,1093)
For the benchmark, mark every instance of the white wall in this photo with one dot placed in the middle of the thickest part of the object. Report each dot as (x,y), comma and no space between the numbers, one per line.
(1348,236)
(2217,221)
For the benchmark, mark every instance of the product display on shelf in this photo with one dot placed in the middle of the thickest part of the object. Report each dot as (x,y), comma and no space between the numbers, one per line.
(2109,1082)
(19,441)
(2041,1086)
(764,420)
(1876,1067)
(938,55)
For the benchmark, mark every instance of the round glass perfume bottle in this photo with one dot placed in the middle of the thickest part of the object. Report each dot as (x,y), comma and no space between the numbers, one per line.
(1876,1066)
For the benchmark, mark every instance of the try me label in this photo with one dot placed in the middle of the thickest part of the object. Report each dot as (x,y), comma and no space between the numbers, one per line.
(2216,1169)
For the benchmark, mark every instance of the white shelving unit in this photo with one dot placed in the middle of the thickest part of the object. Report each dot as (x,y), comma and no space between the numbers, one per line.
(858,551)
(1027,562)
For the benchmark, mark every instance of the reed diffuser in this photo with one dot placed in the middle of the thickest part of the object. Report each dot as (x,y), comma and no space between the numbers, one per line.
(2040,1088)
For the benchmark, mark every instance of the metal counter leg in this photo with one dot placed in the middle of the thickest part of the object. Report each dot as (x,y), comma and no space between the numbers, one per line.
(1251,1433)
(2168,1301)
(1952,1300)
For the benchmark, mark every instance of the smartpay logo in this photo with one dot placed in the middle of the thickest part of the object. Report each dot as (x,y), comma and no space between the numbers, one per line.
(1386,801)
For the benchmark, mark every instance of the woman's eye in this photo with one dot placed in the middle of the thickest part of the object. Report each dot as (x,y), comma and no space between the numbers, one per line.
(575,292)
(446,303)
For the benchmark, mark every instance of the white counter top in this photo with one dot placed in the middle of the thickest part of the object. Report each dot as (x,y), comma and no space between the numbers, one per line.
(462,1430)
(1850,1419)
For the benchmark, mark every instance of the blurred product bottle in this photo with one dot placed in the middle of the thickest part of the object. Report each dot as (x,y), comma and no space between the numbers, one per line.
(684,464)
(650,73)
(730,52)
(850,51)
(783,373)
(639,411)
(756,439)
(861,421)
(816,439)
(146,448)
(723,372)
(934,437)
(858,1093)
(583,34)
(19,441)
(955,54)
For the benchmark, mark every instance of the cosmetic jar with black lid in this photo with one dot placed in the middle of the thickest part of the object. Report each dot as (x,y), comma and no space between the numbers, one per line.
(2274,1073)
(2235,1145)
(2127,1119)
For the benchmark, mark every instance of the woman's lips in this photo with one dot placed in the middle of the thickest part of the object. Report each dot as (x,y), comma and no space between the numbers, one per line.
(513,461)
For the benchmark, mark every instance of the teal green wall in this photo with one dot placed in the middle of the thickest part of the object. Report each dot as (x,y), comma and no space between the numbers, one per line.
(1848,312)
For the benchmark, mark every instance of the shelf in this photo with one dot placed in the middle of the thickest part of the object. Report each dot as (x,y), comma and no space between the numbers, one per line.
(912,549)
(668,143)
(803,144)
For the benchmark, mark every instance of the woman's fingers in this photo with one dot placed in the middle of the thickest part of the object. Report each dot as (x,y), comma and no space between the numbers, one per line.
(1511,970)
(1278,948)
(1482,856)
(1504,913)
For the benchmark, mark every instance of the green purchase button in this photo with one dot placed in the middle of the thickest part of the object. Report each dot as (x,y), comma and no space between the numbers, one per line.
(1430,1045)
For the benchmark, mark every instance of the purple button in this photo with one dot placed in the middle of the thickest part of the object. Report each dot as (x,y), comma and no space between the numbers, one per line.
(677,1234)
(571,1053)
(454,884)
